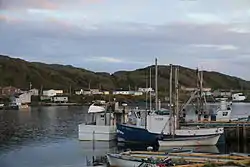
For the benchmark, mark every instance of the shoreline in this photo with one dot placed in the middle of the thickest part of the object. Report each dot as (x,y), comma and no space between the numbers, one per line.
(87,104)
(57,104)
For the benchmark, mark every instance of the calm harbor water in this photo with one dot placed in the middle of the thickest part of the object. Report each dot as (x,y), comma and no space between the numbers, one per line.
(48,137)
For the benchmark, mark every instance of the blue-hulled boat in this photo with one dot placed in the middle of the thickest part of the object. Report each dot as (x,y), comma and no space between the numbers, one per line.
(132,135)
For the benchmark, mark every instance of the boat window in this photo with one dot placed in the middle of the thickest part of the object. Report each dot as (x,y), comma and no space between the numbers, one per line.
(98,104)
(162,112)
(224,113)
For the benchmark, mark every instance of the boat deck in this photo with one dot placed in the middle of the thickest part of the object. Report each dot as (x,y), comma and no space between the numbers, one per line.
(217,124)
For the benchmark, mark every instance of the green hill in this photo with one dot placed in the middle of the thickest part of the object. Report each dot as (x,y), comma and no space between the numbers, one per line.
(20,73)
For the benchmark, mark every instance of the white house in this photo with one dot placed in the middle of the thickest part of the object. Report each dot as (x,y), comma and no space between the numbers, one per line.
(95,92)
(88,92)
(61,99)
(122,92)
(138,93)
(34,92)
(144,90)
(79,92)
(52,92)
(24,98)
(106,92)
(133,93)
(238,97)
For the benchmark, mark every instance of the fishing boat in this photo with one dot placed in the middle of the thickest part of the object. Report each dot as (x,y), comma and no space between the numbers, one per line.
(160,124)
(208,140)
(102,126)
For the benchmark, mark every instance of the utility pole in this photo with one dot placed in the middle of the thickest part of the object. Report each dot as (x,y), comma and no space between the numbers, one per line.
(89,84)
(100,87)
(70,90)
(30,85)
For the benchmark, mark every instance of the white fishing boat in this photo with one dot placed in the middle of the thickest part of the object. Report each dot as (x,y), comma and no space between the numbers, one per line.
(190,141)
(223,113)
(102,126)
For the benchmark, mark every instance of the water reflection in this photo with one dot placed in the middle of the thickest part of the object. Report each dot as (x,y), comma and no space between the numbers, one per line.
(207,149)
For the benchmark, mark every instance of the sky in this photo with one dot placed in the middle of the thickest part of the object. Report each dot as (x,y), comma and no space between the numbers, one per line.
(111,35)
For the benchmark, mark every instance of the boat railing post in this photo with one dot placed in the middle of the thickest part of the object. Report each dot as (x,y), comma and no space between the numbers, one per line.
(244,134)
(146,114)
(93,139)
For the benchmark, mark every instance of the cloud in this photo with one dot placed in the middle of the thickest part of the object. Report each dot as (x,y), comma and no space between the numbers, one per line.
(26,4)
(9,19)
(218,47)
(102,59)
(204,18)
(240,30)
(105,60)
(132,41)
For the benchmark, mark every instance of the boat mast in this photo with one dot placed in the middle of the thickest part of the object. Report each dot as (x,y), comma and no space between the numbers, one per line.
(150,92)
(146,92)
(170,121)
(199,95)
(146,111)
(170,98)
(176,98)
(156,85)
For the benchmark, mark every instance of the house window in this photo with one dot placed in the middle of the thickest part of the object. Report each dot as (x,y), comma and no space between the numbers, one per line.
(224,114)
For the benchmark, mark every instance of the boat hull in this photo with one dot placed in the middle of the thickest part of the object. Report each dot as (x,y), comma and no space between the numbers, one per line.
(191,141)
(199,132)
(131,134)
(115,161)
(96,133)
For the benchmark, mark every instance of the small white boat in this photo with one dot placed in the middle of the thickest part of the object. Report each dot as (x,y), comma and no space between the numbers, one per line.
(130,161)
(122,161)
(191,141)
